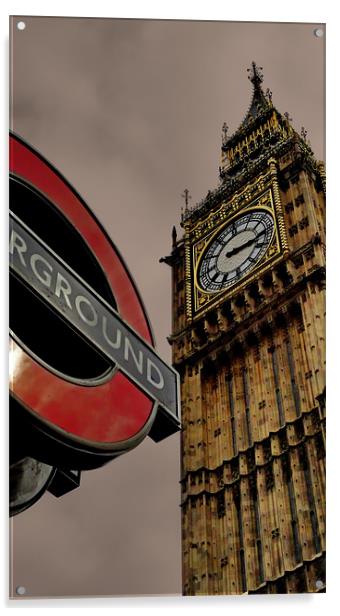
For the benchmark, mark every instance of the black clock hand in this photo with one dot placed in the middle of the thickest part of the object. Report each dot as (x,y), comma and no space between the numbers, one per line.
(237,249)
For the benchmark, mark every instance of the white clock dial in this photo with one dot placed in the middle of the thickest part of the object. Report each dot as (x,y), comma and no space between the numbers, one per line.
(235,251)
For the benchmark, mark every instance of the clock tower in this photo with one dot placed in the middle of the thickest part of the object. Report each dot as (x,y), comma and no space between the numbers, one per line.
(248,340)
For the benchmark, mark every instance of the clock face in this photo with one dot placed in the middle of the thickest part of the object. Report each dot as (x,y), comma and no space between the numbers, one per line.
(235,251)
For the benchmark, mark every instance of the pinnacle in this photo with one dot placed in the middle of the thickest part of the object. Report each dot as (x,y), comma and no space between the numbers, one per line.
(260,102)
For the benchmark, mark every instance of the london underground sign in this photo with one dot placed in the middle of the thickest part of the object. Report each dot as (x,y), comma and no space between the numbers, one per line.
(92,317)
(84,369)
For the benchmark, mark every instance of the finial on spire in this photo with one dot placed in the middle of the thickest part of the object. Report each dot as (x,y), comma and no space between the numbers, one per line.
(287,116)
(186,196)
(255,74)
(269,95)
(225,129)
(303,133)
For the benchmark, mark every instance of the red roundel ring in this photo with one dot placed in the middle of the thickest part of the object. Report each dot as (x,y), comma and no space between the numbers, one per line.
(106,418)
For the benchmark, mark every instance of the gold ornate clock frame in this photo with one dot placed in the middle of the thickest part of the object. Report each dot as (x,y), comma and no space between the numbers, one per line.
(262,194)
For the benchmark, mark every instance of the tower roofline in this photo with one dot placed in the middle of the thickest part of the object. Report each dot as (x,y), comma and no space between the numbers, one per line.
(263,133)
(259,105)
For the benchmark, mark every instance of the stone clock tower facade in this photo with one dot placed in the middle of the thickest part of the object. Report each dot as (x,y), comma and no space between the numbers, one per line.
(249,343)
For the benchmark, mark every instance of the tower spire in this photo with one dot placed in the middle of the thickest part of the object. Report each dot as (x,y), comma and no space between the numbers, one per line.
(260,103)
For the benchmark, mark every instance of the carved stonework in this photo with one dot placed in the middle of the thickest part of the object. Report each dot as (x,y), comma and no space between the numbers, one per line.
(252,363)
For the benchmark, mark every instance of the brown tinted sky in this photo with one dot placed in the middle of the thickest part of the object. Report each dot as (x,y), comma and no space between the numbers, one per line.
(131,113)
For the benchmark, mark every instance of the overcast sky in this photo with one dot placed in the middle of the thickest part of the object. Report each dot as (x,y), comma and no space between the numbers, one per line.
(130,112)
